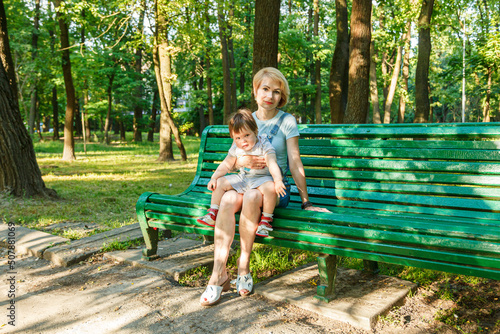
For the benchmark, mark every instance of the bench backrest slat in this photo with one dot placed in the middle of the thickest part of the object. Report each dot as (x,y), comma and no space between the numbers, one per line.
(396,168)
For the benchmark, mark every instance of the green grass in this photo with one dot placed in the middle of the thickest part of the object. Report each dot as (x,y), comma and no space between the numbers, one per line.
(100,186)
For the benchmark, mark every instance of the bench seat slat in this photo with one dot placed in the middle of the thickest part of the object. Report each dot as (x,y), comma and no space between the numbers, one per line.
(388,206)
(387,258)
(476,257)
(397,208)
(354,226)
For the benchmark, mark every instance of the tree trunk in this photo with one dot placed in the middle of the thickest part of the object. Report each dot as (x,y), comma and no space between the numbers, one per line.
(392,88)
(55,114)
(232,64)
(55,106)
(166,117)
(422,103)
(317,76)
(201,110)
(486,107)
(5,55)
(107,123)
(339,70)
(406,73)
(210,104)
(34,52)
(69,142)
(152,119)
(122,131)
(373,85)
(266,34)
(19,171)
(359,62)
(138,70)
(163,70)
(384,62)
(226,71)
(207,67)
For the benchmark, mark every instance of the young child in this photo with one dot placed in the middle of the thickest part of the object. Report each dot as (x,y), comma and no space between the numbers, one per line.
(243,129)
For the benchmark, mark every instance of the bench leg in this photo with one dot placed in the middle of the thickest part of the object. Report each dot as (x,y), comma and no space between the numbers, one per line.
(327,265)
(371,267)
(151,240)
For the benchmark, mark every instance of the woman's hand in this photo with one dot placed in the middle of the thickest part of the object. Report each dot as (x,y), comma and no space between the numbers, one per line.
(280,188)
(251,161)
(317,209)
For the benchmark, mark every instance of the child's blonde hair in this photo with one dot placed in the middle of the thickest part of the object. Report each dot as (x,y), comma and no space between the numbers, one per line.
(242,119)
(273,74)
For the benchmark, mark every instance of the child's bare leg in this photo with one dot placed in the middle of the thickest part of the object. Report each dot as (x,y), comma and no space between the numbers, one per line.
(270,197)
(269,202)
(223,185)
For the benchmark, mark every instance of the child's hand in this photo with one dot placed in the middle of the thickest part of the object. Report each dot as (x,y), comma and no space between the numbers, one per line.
(212,185)
(280,188)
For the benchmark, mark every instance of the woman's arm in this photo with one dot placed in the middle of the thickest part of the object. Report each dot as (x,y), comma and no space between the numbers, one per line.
(275,171)
(298,173)
(296,167)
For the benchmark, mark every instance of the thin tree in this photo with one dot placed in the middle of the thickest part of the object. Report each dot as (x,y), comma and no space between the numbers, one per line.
(34,56)
(405,74)
(207,73)
(228,83)
(422,102)
(340,65)
(317,69)
(138,70)
(55,105)
(373,85)
(392,87)
(19,171)
(162,58)
(359,62)
(69,142)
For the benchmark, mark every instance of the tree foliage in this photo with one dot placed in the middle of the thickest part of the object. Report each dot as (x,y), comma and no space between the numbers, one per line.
(106,35)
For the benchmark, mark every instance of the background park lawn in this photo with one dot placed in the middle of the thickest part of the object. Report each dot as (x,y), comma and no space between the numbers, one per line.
(101,186)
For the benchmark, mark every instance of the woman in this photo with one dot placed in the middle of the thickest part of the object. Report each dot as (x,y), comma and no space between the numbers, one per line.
(271,92)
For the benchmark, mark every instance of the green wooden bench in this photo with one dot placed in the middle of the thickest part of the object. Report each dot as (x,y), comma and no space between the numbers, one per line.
(421,195)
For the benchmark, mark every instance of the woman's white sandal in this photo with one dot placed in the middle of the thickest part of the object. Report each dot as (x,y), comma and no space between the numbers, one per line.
(244,282)
(211,295)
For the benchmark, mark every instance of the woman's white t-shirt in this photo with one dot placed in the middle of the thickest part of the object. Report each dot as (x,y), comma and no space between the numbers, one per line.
(288,129)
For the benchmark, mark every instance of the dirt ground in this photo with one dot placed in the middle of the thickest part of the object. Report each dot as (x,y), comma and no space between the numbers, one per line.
(103,296)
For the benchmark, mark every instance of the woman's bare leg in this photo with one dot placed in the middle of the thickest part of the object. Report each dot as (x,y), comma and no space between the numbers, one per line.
(224,234)
(249,220)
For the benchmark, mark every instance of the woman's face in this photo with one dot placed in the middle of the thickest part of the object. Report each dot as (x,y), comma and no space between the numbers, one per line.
(268,95)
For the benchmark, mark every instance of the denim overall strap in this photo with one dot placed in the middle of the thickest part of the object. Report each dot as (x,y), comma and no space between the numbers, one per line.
(273,133)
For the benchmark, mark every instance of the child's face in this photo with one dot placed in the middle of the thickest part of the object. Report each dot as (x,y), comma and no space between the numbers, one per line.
(245,139)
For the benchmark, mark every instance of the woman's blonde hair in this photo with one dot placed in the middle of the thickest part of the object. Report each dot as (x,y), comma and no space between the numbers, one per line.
(242,119)
(273,74)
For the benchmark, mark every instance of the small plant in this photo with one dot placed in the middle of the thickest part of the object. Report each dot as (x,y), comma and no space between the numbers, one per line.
(120,245)
(196,274)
